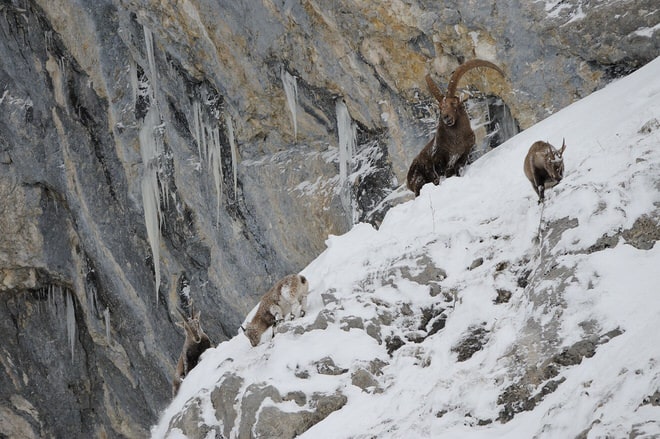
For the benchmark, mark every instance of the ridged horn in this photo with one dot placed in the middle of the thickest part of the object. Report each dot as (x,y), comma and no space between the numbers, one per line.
(435,90)
(460,71)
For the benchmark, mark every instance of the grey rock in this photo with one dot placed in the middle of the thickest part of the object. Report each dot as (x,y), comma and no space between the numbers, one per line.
(430,274)
(653,399)
(523,395)
(373,330)
(393,343)
(322,320)
(476,263)
(503,296)
(224,398)
(190,421)
(363,379)
(471,343)
(644,233)
(328,298)
(251,403)
(376,366)
(351,322)
(275,423)
(327,366)
(298,397)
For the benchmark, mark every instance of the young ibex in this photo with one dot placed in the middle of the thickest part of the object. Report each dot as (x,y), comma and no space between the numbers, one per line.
(196,342)
(288,297)
(544,166)
(448,151)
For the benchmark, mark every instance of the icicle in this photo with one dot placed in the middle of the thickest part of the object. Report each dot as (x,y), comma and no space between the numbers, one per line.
(197,127)
(106,318)
(508,127)
(132,70)
(291,90)
(61,63)
(215,163)
(70,320)
(150,150)
(234,152)
(347,139)
(149,42)
(48,37)
(346,131)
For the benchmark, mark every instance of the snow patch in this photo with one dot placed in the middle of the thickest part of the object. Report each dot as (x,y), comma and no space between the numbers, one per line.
(447,253)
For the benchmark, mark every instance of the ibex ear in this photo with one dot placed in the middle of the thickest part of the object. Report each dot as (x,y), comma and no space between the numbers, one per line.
(563,146)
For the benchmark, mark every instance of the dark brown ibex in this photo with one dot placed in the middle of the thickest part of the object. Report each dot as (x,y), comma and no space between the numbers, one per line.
(544,166)
(195,344)
(448,151)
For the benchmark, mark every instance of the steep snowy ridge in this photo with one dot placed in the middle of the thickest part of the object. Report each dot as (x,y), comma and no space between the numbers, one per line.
(473,312)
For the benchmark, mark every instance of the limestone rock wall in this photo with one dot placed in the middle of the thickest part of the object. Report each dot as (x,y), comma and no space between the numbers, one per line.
(148,152)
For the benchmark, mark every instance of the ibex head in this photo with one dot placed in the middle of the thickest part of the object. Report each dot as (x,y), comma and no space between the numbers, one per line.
(554,162)
(450,105)
(191,325)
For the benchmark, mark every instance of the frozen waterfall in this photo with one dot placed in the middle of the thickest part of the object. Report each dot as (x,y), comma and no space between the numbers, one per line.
(150,149)
(291,90)
(346,131)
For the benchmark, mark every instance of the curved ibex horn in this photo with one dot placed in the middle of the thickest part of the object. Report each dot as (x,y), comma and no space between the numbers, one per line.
(185,318)
(460,71)
(435,91)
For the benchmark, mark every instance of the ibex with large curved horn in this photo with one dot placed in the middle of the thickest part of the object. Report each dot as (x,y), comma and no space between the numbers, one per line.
(448,151)
(195,344)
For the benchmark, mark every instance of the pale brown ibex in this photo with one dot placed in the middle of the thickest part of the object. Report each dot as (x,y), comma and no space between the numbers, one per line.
(288,297)
(195,344)
(448,150)
(544,166)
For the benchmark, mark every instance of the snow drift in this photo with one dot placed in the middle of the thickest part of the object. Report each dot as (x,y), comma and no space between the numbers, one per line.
(473,312)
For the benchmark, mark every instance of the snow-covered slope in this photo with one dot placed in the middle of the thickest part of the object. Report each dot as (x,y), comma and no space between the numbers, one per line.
(474,312)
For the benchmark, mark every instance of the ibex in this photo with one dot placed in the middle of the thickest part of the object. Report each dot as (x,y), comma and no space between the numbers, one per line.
(288,297)
(196,342)
(544,166)
(448,151)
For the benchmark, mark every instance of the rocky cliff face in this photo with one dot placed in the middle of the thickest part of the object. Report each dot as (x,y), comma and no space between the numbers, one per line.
(152,152)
